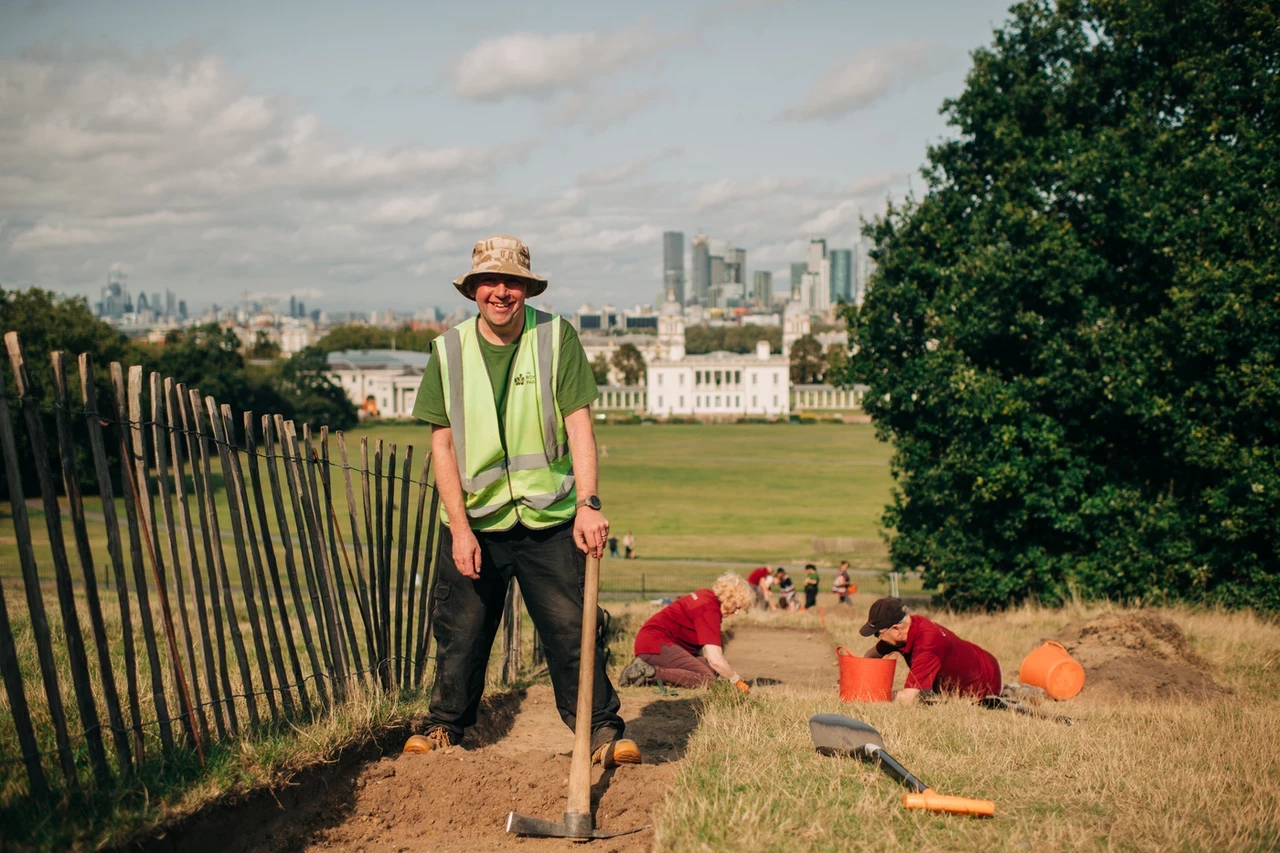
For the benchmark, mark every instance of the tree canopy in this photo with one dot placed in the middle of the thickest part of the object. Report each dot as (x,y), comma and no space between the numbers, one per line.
(739,339)
(629,363)
(1071,338)
(359,337)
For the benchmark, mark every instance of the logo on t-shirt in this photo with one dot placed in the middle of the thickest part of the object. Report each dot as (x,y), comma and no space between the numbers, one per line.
(524,378)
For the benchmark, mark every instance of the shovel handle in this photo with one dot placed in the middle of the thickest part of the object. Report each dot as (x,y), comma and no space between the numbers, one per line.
(896,770)
(930,800)
(580,768)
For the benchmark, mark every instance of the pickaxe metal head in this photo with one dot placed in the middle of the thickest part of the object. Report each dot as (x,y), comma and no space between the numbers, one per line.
(574,825)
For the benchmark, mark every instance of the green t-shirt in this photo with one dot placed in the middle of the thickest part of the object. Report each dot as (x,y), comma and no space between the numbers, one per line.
(575,383)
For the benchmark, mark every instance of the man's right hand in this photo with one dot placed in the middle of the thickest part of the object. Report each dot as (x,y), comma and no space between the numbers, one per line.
(466,552)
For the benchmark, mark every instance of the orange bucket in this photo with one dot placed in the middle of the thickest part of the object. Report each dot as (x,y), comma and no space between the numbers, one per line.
(1052,667)
(865,679)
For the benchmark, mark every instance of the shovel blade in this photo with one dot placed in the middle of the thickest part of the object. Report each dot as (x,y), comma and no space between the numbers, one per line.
(836,734)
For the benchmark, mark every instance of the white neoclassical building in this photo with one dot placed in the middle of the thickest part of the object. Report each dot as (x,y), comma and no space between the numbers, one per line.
(718,384)
(381,382)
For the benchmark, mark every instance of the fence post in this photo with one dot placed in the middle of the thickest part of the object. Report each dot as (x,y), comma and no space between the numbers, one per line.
(357,581)
(269,438)
(202,481)
(335,539)
(133,515)
(412,639)
(401,646)
(66,591)
(893,584)
(89,395)
(159,426)
(71,487)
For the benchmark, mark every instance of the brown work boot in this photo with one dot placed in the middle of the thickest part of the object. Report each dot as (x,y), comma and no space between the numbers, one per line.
(432,740)
(615,752)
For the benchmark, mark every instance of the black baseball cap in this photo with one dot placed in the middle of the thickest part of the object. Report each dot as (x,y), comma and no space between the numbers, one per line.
(885,613)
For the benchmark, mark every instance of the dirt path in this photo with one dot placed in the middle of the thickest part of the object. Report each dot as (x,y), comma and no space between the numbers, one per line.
(793,659)
(518,759)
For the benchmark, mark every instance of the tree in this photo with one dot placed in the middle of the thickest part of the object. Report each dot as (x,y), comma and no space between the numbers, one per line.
(46,321)
(304,385)
(1071,337)
(739,339)
(807,363)
(835,362)
(415,340)
(263,347)
(628,361)
(355,337)
(600,369)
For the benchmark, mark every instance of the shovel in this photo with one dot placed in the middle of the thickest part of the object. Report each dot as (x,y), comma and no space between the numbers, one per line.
(578,821)
(834,734)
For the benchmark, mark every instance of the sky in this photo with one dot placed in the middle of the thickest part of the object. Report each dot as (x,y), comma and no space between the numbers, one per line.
(351,154)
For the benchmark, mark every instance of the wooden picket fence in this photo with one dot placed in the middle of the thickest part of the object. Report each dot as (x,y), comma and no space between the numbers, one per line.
(193,643)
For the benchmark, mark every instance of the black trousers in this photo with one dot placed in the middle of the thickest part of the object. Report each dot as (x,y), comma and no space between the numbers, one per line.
(466,614)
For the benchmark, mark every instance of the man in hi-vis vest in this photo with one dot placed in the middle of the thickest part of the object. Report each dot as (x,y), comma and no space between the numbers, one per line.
(508,395)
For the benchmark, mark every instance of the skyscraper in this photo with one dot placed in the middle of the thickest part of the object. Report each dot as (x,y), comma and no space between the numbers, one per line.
(735,265)
(673,265)
(170,303)
(798,269)
(700,275)
(819,276)
(293,306)
(762,288)
(841,275)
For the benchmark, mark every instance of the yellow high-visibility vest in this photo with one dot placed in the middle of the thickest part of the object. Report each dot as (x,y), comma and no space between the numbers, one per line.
(530,480)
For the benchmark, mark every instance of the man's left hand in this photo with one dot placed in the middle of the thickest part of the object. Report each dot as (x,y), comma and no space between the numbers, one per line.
(590,530)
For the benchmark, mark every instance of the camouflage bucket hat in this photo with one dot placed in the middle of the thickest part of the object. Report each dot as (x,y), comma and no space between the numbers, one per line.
(501,254)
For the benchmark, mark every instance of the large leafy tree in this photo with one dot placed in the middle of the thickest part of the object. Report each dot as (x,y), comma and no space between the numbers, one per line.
(808,366)
(46,322)
(373,337)
(629,363)
(305,387)
(1071,338)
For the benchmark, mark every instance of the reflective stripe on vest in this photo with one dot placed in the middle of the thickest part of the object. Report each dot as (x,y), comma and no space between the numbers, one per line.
(530,480)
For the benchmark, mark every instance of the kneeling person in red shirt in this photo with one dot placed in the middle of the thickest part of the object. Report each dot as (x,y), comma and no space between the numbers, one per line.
(939,660)
(668,644)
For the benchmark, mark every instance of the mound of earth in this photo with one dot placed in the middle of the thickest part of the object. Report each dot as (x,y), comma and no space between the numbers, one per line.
(1138,655)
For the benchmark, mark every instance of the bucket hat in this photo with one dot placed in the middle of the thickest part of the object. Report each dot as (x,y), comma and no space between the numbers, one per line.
(500,254)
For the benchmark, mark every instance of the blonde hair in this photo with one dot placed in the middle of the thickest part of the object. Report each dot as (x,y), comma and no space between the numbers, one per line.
(733,592)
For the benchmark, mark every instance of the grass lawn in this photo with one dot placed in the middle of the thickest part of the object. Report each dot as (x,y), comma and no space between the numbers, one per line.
(1141,775)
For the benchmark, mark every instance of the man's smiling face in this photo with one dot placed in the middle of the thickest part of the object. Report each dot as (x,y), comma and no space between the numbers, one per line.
(500,299)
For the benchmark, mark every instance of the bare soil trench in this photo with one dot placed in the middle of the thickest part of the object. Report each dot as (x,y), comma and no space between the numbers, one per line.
(517,758)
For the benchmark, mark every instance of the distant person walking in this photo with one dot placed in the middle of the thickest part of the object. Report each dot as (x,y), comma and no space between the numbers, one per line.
(682,643)
(613,547)
(842,586)
(629,542)
(810,586)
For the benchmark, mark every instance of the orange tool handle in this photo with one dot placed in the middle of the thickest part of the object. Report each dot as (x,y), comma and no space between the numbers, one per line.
(930,800)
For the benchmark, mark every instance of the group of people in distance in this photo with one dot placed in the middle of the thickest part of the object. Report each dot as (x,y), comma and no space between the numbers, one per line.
(682,644)
(764,579)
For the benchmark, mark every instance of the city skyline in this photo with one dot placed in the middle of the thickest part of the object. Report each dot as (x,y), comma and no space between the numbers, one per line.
(350,158)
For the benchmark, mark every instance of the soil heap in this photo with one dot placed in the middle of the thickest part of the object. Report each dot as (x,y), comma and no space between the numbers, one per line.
(1138,655)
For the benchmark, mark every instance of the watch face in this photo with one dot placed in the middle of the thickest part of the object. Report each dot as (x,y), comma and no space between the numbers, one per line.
(594,502)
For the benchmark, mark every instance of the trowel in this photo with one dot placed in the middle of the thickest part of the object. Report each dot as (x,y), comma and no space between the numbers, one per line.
(834,734)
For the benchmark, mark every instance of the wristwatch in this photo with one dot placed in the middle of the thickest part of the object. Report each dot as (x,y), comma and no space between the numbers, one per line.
(591,502)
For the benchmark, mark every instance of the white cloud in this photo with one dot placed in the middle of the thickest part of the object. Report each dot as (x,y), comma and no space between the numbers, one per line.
(405,210)
(532,64)
(618,172)
(727,190)
(169,162)
(597,111)
(572,201)
(860,81)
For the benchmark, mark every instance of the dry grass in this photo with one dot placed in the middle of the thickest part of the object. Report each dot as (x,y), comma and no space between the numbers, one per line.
(1138,776)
